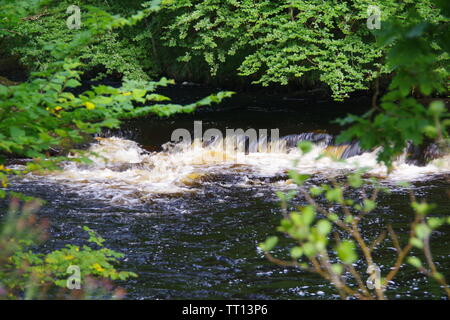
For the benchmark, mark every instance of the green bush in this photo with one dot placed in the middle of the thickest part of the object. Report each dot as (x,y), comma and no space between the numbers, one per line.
(417,49)
(25,274)
(328,240)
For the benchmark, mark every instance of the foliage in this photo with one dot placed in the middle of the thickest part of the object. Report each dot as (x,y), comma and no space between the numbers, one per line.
(45,112)
(284,40)
(267,42)
(329,242)
(418,52)
(29,275)
(114,50)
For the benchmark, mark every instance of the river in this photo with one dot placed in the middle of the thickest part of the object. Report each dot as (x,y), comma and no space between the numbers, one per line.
(189,218)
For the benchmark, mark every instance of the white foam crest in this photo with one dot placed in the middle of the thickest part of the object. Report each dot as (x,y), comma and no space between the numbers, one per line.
(116,150)
(317,161)
(123,169)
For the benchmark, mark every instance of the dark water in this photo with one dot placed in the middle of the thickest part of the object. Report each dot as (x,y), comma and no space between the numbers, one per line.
(204,245)
(245,110)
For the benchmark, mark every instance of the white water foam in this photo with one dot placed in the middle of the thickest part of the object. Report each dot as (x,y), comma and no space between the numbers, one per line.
(123,169)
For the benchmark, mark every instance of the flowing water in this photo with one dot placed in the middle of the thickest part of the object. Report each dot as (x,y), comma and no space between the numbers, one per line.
(189,217)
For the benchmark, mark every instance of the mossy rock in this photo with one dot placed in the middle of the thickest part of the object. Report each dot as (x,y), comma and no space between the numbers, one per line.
(6,82)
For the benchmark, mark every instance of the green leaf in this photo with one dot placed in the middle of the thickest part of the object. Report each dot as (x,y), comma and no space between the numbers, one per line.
(286,197)
(415,262)
(355,180)
(16,132)
(72,83)
(334,195)
(333,217)
(316,191)
(337,268)
(435,222)
(416,243)
(422,208)
(3,90)
(324,227)
(369,205)
(309,249)
(299,179)
(437,107)
(438,276)
(346,252)
(269,244)
(110,123)
(308,214)
(296,252)
(422,231)
(305,146)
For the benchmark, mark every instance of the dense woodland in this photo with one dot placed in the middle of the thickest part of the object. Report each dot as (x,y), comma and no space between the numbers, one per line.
(302,43)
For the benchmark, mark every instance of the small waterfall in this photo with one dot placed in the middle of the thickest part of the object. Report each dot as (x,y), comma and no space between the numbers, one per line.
(317,138)
(287,144)
(122,171)
(423,154)
(340,151)
(414,155)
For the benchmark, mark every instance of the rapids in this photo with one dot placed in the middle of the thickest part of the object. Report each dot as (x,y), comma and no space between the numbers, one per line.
(122,171)
(189,217)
